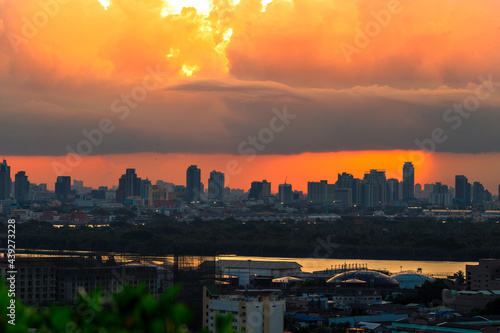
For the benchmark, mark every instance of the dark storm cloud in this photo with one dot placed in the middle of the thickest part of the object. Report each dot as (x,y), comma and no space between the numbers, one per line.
(210,116)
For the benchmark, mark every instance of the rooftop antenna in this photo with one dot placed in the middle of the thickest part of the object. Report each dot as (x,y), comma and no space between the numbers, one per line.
(286,177)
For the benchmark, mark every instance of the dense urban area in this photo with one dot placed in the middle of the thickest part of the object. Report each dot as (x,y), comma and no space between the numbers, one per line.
(158,236)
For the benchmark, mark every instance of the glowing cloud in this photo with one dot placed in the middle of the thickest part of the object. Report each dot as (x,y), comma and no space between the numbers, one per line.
(188,70)
(175,7)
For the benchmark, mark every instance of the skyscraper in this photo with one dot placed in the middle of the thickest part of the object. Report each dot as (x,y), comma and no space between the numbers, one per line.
(63,187)
(478,195)
(462,189)
(392,190)
(193,184)
(5,181)
(285,193)
(216,186)
(317,192)
(21,187)
(408,181)
(374,188)
(129,185)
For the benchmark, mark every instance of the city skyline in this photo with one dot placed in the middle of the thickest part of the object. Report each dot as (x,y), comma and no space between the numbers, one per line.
(129,183)
(86,103)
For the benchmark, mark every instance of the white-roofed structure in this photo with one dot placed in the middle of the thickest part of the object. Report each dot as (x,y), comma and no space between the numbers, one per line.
(411,280)
(245,269)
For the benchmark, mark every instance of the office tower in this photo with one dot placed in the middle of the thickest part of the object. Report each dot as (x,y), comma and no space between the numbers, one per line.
(408,181)
(193,184)
(462,189)
(374,189)
(478,193)
(356,191)
(63,188)
(5,181)
(285,193)
(129,185)
(259,190)
(317,192)
(392,190)
(216,186)
(22,186)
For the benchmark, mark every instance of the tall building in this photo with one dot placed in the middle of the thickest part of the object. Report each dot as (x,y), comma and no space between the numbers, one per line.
(5,181)
(347,181)
(63,188)
(440,195)
(478,195)
(193,184)
(22,186)
(392,190)
(408,181)
(259,190)
(374,189)
(317,192)
(462,189)
(342,198)
(144,191)
(418,191)
(216,186)
(129,185)
(285,194)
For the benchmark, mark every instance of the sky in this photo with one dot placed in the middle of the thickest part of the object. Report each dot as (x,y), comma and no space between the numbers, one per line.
(298,90)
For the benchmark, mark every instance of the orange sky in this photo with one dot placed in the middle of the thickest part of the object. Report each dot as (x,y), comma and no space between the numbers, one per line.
(365,81)
(298,169)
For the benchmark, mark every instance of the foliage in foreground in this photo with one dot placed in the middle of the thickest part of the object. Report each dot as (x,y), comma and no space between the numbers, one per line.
(130,310)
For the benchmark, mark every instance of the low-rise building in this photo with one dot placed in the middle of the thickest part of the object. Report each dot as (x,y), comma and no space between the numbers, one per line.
(253,311)
(484,276)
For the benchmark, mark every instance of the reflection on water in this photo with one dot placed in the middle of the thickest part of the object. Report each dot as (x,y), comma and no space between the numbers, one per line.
(434,268)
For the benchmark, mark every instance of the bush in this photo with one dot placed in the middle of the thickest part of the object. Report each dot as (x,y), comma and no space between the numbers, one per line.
(130,310)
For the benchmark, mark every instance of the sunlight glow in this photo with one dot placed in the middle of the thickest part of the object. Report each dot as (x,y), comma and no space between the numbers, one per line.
(173,7)
(188,70)
(173,53)
(105,3)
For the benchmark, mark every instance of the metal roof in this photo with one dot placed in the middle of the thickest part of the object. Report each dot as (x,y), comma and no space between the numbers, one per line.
(245,264)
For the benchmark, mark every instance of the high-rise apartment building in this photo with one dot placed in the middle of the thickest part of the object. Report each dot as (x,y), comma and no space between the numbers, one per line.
(193,184)
(285,194)
(216,186)
(129,185)
(462,189)
(408,181)
(5,181)
(21,186)
(63,188)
